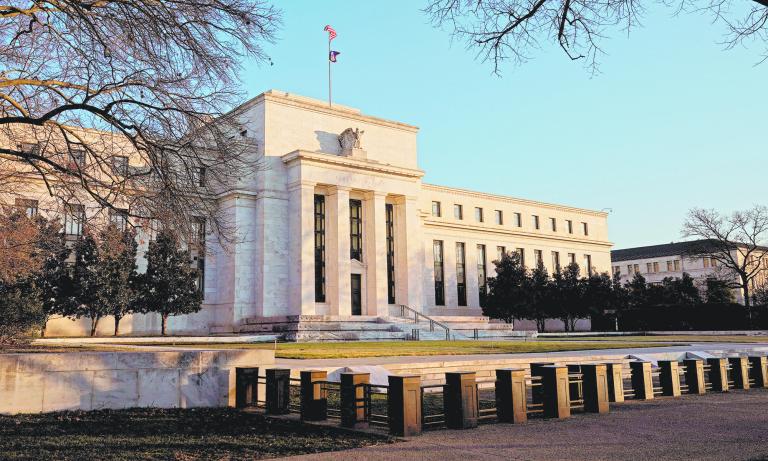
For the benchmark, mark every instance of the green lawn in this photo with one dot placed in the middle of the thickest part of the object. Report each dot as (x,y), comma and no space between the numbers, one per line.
(355,349)
(152,434)
(671,338)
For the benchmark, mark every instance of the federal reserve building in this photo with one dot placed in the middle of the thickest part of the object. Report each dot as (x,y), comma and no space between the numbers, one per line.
(339,238)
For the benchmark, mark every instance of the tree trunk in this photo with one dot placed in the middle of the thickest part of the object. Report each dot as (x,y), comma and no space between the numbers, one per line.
(42,329)
(747,303)
(164,323)
(573,324)
(94,325)
(117,325)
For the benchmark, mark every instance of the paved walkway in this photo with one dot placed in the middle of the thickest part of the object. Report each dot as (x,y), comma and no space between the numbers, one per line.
(731,426)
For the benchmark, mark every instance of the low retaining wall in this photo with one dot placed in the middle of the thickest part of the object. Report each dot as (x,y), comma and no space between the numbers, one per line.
(33,383)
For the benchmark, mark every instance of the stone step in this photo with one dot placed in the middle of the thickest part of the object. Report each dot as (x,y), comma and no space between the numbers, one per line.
(309,336)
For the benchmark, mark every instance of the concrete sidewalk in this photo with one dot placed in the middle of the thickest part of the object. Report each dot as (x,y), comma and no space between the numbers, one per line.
(732,426)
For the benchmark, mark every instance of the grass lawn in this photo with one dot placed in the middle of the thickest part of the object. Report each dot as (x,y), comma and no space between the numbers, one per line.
(153,434)
(355,349)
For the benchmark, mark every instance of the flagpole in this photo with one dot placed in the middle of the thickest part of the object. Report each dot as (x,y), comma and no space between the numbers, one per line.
(330,104)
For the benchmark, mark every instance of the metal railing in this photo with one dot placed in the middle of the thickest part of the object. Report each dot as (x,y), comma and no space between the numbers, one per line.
(405,312)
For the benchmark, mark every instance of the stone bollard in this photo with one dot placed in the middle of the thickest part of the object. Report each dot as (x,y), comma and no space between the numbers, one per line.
(511,396)
(739,372)
(537,392)
(669,377)
(694,376)
(575,387)
(353,392)
(642,379)
(718,374)
(314,396)
(460,400)
(555,392)
(759,370)
(246,387)
(404,405)
(278,391)
(615,373)
(595,387)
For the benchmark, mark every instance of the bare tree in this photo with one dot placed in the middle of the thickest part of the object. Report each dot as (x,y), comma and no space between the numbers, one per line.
(123,103)
(501,30)
(738,242)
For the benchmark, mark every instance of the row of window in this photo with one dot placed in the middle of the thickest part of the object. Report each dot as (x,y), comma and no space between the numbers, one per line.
(482,270)
(77,160)
(672,265)
(355,244)
(74,219)
(498,218)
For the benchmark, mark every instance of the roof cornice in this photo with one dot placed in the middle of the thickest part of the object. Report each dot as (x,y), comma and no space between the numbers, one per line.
(302,156)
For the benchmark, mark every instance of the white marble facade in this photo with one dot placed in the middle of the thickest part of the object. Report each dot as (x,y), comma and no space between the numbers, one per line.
(270,271)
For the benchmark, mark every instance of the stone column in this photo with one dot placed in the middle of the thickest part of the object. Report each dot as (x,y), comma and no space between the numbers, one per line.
(302,251)
(314,395)
(375,253)
(404,405)
(352,404)
(278,390)
(511,395)
(642,380)
(718,374)
(337,262)
(739,372)
(694,376)
(759,370)
(554,382)
(460,400)
(615,382)
(409,254)
(669,378)
(595,379)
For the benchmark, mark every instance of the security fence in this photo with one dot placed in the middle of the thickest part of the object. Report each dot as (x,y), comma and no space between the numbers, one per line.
(541,390)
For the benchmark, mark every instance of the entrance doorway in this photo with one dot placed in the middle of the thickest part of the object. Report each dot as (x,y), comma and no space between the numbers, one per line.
(357,298)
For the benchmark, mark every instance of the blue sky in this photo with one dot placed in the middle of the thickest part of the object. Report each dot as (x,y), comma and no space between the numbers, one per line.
(673,121)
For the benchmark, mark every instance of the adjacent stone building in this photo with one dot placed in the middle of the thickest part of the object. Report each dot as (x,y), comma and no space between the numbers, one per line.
(339,224)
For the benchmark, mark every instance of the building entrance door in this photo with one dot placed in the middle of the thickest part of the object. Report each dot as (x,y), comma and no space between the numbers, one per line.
(357,298)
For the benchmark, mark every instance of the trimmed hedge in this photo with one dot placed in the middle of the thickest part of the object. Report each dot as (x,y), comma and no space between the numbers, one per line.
(689,317)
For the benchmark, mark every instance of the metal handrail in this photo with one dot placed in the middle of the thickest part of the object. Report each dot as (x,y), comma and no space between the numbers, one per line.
(416,315)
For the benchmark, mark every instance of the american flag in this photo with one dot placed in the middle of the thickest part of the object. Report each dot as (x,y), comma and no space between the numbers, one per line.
(331,32)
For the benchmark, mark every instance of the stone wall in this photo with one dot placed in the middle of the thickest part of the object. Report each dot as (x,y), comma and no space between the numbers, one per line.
(33,383)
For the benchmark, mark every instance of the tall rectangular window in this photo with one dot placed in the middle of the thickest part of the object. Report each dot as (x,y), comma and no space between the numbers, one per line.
(319,248)
(120,165)
(556,261)
(571,258)
(538,257)
(27,206)
(588,263)
(119,218)
(649,267)
(390,212)
(437,249)
(553,222)
(630,269)
(461,275)
(535,221)
(669,266)
(677,265)
(436,211)
(569,225)
(77,157)
(479,214)
(356,230)
(198,232)
(500,252)
(201,274)
(481,274)
(616,270)
(637,268)
(521,254)
(499,217)
(458,211)
(705,261)
(74,218)
(585,227)
(655,267)
(518,220)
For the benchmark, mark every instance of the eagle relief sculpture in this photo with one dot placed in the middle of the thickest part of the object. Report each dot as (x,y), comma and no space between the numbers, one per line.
(351,146)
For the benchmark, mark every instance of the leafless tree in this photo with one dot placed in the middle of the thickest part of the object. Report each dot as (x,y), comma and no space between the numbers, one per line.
(123,103)
(738,242)
(501,30)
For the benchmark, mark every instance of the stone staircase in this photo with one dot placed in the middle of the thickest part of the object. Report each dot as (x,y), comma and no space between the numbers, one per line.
(401,323)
